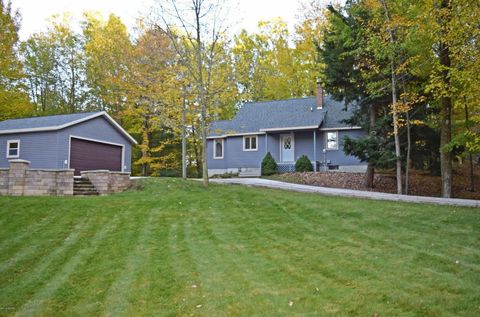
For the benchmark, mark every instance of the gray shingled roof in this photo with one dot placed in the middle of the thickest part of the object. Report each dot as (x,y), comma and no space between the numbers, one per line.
(43,122)
(255,116)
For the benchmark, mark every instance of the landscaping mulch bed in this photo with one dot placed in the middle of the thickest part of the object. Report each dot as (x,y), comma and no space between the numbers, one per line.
(421,184)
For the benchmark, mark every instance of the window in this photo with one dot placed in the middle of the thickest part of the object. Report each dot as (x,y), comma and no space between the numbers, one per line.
(332,140)
(250,143)
(218,149)
(13,148)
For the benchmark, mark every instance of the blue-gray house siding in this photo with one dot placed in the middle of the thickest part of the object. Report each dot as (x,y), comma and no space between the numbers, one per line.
(235,158)
(50,149)
(39,148)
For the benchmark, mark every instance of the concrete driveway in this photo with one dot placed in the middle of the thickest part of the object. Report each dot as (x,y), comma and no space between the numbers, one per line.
(260,182)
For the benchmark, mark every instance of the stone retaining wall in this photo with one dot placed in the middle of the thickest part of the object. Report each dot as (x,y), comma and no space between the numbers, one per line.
(19,180)
(107,182)
(3,181)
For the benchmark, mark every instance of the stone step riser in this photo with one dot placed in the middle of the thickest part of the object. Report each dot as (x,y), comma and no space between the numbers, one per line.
(83,187)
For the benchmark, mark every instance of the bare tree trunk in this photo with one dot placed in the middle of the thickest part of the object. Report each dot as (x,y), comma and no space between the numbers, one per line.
(195,151)
(409,142)
(201,87)
(470,156)
(184,141)
(445,115)
(409,146)
(72,85)
(394,104)
(369,177)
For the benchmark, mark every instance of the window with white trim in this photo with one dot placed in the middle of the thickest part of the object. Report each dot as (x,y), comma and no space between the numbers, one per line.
(332,140)
(250,143)
(218,149)
(13,148)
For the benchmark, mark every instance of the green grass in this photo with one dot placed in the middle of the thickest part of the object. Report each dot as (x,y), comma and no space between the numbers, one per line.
(248,251)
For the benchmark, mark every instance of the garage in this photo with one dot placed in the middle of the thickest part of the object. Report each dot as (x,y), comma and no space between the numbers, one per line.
(94,155)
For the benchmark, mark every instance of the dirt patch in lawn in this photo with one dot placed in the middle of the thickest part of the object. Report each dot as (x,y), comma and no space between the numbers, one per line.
(421,184)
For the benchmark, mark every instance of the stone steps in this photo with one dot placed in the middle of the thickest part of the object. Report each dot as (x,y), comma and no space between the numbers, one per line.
(83,187)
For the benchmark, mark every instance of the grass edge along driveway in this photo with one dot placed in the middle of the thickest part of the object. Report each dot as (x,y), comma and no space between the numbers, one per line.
(175,248)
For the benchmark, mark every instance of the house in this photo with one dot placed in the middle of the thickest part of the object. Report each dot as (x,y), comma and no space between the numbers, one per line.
(79,141)
(287,129)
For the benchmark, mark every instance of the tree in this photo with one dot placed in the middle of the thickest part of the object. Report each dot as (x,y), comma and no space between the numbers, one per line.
(268,66)
(13,99)
(107,49)
(452,31)
(70,59)
(196,30)
(54,64)
(350,73)
(152,95)
(393,42)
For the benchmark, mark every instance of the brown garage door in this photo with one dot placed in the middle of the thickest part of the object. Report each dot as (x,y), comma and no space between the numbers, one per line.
(88,155)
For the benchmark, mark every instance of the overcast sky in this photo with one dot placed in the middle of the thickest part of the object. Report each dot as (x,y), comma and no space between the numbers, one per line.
(36,12)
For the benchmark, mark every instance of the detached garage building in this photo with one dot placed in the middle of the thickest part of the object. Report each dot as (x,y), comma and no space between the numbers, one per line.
(80,141)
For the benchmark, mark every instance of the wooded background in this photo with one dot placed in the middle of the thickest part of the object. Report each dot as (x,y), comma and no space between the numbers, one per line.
(412,66)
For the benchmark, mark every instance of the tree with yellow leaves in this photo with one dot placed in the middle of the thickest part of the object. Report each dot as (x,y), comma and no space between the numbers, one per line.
(13,99)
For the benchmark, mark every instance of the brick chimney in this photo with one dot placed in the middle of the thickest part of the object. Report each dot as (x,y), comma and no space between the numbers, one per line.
(319,95)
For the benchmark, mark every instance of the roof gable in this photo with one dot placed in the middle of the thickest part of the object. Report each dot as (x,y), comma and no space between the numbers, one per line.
(56,122)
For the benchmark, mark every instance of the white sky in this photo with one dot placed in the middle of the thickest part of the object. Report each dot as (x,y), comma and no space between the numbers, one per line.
(35,13)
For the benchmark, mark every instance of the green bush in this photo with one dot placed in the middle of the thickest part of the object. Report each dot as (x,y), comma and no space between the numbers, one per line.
(269,166)
(303,164)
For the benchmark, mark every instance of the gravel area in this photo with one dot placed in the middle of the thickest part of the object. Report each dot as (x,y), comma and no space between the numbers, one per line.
(421,184)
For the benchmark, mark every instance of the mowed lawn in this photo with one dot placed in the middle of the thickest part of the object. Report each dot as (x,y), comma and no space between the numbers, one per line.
(178,249)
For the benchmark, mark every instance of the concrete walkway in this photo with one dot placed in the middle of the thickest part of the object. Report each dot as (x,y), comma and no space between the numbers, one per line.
(260,182)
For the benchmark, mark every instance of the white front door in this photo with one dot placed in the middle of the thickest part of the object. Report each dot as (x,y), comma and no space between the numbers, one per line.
(287,148)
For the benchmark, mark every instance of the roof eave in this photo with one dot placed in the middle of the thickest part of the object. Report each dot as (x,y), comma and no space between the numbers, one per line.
(125,133)
(309,127)
(222,136)
(68,124)
(341,128)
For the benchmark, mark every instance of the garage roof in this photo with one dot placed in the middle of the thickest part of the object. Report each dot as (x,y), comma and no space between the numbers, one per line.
(57,122)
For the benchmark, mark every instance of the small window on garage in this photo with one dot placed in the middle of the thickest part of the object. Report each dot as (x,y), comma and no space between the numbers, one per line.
(250,143)
(218,149)
(13,148)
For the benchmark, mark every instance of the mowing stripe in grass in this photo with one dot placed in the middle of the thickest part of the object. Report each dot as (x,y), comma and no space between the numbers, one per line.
(39,239)
(185,269)
(157,288)
(216,263)
(117,299)
(43,264)
(34,305)
(26,232)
